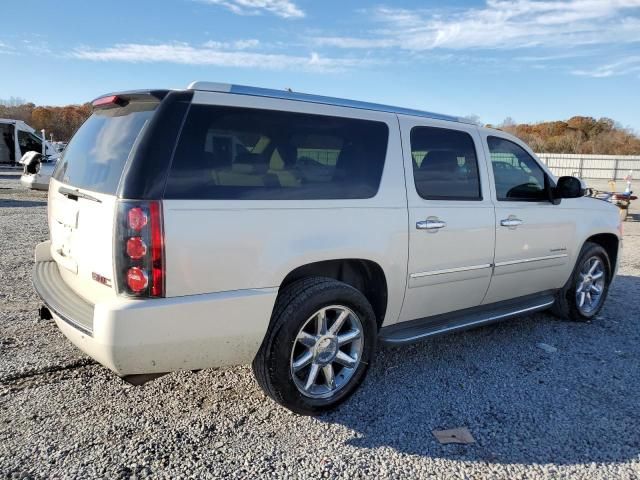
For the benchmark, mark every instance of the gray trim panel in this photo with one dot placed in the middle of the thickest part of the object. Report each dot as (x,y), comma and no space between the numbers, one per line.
(416,330)
(60,299)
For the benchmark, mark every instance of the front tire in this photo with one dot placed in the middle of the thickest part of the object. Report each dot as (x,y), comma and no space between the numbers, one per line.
(585,292)
(318,347)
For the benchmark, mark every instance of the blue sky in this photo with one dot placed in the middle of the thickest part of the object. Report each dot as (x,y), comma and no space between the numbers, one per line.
(531,60)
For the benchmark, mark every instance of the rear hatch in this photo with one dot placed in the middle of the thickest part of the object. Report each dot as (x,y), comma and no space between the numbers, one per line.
(84,188)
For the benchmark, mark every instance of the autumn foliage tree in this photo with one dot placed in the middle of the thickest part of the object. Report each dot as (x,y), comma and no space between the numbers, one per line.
(62,122)
(584,135)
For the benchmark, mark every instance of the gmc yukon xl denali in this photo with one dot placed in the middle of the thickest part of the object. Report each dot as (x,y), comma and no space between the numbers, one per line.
(223,224)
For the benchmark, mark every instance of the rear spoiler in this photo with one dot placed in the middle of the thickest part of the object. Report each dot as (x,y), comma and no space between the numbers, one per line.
(121,99)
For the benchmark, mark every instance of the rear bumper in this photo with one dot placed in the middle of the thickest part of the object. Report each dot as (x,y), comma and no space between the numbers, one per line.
(159,335)
(63,302)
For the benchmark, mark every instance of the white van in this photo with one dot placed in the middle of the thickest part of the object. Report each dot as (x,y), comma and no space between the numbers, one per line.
(20,144)
(18,138)
(222,224)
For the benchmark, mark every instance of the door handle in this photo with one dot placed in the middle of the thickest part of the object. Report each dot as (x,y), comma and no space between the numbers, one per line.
(430,224)
(511,222)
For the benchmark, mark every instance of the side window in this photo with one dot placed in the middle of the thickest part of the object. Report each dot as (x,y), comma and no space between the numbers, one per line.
(29,142)
(518,176)
(239,153)
(444,164)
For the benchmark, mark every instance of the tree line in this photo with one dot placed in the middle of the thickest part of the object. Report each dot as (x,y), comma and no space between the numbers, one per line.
(585,135)
(62,122)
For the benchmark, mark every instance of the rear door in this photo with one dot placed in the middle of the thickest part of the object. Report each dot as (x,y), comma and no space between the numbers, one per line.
(82,195)
(7,143)
(451,217)
(534,237)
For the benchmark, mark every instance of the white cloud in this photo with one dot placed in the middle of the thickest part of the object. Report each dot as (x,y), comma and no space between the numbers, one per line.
(216,54)
(281,8)
(352,42)
(504,24)
(6,49)
(620,67)
(235,45)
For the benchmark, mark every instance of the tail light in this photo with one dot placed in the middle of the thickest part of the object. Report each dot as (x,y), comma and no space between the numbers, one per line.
(109,101)
(139,249)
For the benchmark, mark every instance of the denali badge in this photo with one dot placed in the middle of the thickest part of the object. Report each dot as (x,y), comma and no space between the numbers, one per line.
(100,279)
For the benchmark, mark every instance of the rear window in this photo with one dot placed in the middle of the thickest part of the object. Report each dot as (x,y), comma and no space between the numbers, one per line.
(95,157)
(239,153)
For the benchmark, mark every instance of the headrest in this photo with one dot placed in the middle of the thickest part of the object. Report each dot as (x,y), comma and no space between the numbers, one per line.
(441,160)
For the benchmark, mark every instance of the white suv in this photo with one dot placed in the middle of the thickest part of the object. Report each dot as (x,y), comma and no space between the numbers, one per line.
(222,224)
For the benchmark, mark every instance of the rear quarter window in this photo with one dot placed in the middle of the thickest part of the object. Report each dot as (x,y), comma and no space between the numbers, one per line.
(239,153)
(96,156)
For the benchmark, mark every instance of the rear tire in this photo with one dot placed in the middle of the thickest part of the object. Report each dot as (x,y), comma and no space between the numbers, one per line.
(298,352)
(585,292)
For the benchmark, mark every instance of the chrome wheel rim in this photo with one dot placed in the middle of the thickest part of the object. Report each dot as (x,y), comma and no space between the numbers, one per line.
(590,287)
(327,351)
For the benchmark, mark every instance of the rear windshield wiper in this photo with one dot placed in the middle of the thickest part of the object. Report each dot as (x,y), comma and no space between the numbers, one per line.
(76,194)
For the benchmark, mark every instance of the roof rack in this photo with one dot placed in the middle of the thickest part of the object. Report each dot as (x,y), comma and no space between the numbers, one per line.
(305,97)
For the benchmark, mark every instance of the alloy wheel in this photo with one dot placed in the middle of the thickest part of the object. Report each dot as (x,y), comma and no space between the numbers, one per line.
(590,286)
(327,351)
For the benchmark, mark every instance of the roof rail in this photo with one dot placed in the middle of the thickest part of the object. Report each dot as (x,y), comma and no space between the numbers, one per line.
(305,97)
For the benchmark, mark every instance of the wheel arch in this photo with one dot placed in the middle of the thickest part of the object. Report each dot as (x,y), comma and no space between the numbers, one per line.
(362,274)
(610,243)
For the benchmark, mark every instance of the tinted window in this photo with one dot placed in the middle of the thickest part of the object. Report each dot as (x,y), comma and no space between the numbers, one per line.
(444,164)
(97,153)
(238,153)
(7,143)
(517,175)
(29,142)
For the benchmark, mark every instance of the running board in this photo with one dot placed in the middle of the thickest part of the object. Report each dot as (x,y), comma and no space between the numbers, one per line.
(416,330)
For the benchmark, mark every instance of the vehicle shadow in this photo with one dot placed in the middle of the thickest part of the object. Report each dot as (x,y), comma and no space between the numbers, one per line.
(521,403)
(633,217)
(8,203)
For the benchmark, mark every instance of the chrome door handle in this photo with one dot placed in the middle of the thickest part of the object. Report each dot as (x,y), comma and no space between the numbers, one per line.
(511,222)
(430,224)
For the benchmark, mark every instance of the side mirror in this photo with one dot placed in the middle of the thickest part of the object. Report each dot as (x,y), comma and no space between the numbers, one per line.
(569,187)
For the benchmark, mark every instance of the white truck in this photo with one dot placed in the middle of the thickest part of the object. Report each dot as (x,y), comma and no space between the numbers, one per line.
(18,138)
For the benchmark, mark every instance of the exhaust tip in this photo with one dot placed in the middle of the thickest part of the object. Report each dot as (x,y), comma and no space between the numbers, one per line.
(142,378)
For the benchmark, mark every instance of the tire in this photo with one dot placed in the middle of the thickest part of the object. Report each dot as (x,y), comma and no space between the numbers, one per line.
(288,344)
(567,305)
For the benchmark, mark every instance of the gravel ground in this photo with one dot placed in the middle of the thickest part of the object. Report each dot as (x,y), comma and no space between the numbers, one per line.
(534,412)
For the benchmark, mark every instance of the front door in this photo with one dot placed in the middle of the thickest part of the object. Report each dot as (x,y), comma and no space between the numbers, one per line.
(451,218)
(534,237)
